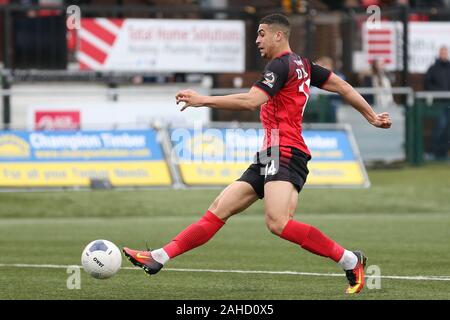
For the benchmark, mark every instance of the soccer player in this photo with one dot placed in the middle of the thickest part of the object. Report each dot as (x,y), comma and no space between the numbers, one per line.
(281,94)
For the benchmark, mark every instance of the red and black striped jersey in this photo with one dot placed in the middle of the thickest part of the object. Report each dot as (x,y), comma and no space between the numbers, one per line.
(286,81)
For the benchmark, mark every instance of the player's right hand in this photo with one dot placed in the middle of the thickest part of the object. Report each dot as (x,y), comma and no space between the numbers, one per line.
(190,99)
(382,120)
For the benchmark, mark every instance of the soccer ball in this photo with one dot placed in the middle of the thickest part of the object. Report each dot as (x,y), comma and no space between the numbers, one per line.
(101,259)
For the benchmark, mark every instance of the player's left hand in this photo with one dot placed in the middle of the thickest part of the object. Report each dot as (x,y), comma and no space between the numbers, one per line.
(190,99)
(382,120)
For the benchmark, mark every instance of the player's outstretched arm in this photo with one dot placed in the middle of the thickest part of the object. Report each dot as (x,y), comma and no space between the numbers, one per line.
(242,101)
(351,96)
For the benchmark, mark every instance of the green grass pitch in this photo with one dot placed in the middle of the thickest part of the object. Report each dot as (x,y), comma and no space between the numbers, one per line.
(402,223)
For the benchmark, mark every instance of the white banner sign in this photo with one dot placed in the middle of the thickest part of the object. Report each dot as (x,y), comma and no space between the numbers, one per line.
(161,45)
(132,110)
(425,39)
(385,42)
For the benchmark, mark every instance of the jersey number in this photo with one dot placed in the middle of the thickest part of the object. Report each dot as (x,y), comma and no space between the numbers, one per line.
(301,73)
(270,170)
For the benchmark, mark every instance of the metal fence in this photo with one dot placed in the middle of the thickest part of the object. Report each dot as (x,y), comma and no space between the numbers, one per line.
(420,130)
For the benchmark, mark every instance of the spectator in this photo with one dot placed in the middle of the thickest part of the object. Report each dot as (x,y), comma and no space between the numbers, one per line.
(327,62)
(437,78)
(333,101)
(378,79)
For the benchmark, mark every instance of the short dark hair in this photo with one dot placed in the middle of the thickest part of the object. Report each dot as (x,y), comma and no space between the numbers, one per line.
(277,19)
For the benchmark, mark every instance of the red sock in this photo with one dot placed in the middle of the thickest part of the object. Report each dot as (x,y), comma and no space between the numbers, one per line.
(194,235)
(312,239)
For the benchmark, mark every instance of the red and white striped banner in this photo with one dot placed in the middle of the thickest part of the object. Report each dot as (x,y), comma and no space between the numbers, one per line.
(97,37)
(382,42)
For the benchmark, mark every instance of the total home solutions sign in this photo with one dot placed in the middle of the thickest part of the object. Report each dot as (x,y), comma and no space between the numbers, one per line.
(161,45)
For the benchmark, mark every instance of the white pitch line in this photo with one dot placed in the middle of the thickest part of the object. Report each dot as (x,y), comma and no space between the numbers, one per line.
(417,278)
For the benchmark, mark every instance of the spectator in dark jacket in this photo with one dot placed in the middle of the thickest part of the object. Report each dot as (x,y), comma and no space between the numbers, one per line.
(437,78)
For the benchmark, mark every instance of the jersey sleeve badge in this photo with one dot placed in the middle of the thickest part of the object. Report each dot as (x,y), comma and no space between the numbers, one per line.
(269,79)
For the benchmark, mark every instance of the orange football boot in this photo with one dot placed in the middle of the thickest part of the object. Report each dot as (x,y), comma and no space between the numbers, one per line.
(143,259)
(356,276)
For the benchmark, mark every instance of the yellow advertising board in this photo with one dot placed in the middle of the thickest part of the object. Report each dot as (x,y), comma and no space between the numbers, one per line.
(220,156)
(64,159)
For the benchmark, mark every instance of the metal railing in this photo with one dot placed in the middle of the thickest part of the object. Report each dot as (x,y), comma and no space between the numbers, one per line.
(415,109)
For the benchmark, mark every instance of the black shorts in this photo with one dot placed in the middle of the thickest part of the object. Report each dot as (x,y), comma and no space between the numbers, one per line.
(292,168)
